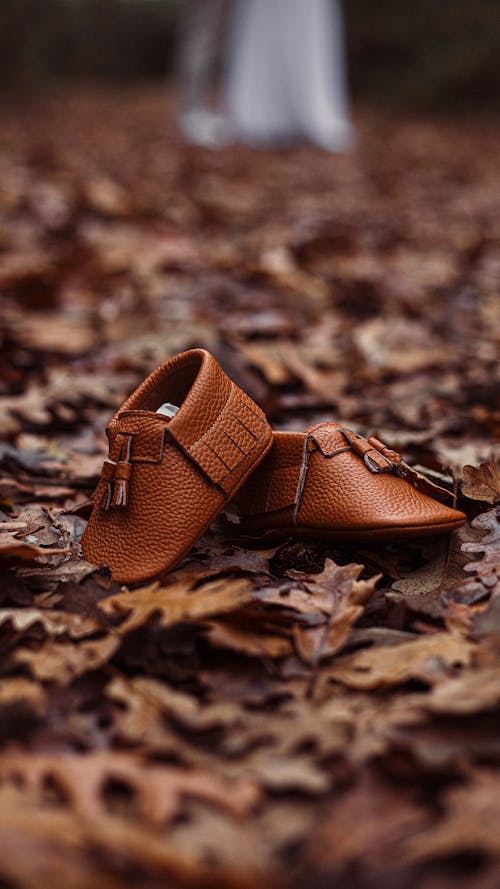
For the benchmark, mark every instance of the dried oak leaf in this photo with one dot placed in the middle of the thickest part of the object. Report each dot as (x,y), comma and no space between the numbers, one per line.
(475,691)
(11,547)
(486,570)
(31,535)
(343,597)
(428,659)
(401,345)
(310,614)
(145,702)
(176,602)
(352,829)
(61,662)
(158,790)
(18,690)
(53,623)
(241,561)
(361,727)
(427,589)
(47,573)
(471,821)
(44,543)
(54,332)
(61,397)
(40,526)
(483,482)
(47,848)
(267,747)
(240,636)
(61,844)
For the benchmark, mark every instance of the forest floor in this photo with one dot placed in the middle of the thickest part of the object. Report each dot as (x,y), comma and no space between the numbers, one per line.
(304,714)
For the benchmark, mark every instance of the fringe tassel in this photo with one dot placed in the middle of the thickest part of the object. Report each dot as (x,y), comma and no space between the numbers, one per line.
(107,475)
(116,493)
(107,494)
(121,493)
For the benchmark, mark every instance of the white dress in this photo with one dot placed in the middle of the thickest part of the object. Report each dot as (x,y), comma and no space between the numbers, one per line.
(285,76)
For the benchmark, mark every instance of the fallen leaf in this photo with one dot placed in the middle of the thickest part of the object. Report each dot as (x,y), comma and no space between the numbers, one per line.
(18,690)
(486,570)
(352,829)
(471,821)
(177,602)
(54,623)
(428,659)
(482,482)
(61,662)
(158,790)
(476,690)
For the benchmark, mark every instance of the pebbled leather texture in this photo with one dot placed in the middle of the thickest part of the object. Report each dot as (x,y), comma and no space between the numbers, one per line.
(331,482)
(167,478)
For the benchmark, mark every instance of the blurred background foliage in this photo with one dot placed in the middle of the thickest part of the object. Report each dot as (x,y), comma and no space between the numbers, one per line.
(441,54)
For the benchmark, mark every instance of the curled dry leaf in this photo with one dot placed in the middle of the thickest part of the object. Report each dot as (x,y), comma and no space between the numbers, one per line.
(471,821)
(428,659)
(145,704)
(237,637)
(61,662)
(483,482)
(486,570)
(53,623)
(35,533)
(158,791)
(441,579)
(176,602)
(474,691)
(11,547)
(17,690)
(400,344)
(345,599)
(63,845)
(354,827)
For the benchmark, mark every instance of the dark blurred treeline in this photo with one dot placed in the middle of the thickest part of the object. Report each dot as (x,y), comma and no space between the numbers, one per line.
(426,54)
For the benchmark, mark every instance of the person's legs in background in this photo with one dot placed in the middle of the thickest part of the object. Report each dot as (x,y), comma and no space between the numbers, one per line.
(203,26)
(285,77)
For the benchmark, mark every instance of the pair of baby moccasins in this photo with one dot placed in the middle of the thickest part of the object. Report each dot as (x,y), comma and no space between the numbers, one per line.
(188,439)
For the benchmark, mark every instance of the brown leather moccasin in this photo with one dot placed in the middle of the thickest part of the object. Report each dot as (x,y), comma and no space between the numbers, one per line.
(330,482)
(179,448)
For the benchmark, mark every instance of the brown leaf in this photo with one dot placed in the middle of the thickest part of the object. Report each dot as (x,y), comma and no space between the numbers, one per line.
(401,345)
(54,623)
(145,703)
(428,659)
(476,690)
(352,829)
(344,597)
(471,821)
(441,579)
(486,570)
(483,482)
(61,662)
(242,641)
(11,547)
(62,843)
(176,602)
(18,690)
(157,790)
(35,534)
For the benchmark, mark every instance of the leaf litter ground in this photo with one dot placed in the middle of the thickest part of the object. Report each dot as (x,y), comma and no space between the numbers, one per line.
(300,713)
